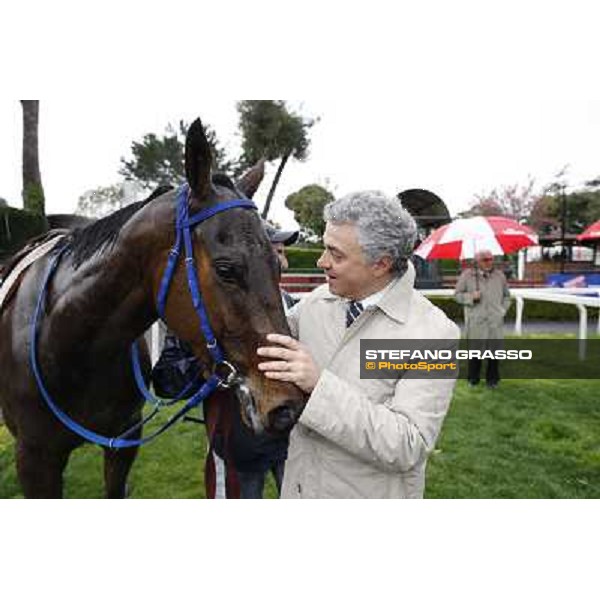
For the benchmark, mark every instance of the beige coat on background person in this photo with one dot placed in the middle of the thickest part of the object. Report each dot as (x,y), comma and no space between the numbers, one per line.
(484,320)
(365,438)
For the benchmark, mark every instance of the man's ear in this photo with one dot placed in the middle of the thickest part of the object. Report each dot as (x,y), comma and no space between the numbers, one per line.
(382,266)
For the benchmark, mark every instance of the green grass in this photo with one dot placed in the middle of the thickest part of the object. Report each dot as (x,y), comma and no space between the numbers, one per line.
(172,466)
(526,439)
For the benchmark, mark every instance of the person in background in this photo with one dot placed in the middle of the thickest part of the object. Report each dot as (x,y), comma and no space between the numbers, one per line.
(279,240)
(484,293)
(361,438)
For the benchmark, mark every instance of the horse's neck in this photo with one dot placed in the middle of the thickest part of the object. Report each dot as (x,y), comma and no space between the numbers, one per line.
(104,302)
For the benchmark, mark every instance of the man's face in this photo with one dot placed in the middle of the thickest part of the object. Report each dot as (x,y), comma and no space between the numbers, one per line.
(279,248)
(485,261)
(348,273)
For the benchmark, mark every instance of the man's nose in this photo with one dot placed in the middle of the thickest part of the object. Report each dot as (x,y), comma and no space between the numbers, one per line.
(322,262)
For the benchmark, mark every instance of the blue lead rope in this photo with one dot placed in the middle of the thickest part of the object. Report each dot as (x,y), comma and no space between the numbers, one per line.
(183,225)
(211,384)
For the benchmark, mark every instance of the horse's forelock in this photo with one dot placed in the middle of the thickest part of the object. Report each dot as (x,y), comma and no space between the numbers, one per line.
(224,181)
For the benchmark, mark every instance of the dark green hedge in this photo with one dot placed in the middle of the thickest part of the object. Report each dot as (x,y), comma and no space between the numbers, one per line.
(16,227)
(303,258)
(534,310)
(448,265)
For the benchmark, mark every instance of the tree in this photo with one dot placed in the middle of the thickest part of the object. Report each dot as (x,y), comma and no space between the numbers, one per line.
(582,208)
(307,204)
(575,210)
(543,211)
(33,191)
(513,201)
(271,131)
(593,183)
(102,201)
(542,218)
(159,160)
(482,207)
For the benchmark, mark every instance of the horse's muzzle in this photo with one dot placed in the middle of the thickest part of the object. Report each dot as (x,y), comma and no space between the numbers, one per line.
(279,420)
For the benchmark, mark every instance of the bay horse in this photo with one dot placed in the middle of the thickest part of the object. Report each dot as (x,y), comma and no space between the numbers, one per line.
(102,296)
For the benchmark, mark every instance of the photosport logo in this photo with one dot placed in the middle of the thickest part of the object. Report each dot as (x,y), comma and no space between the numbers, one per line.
(447,359)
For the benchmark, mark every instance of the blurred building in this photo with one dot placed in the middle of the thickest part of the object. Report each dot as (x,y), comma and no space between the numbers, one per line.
(430,212)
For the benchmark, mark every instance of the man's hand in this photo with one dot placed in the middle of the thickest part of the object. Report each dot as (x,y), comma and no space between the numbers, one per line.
(476,296)
(294,362)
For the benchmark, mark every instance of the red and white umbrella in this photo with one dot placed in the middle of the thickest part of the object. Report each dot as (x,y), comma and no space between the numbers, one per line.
(463,238)
(590,234)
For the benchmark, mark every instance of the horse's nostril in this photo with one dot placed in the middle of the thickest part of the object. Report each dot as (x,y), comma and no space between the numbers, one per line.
(283,418)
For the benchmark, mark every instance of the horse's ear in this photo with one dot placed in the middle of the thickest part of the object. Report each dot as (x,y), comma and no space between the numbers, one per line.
(250,180)
(198,159)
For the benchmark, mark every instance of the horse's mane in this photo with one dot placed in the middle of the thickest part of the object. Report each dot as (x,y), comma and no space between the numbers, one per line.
(84,242)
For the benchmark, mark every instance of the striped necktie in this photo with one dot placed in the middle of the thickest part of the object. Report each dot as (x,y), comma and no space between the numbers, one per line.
(353,312)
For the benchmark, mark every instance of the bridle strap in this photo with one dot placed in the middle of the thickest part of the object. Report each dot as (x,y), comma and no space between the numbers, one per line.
(183,234)
(183,226)
(210,385)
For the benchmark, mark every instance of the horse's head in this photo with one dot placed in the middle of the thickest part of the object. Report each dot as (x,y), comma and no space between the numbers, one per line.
(238,274)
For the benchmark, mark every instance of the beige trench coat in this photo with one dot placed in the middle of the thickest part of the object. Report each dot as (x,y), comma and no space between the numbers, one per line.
(484,320)
(365,438)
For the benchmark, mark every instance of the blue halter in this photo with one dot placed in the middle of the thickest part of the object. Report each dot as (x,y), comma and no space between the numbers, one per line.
(183,226)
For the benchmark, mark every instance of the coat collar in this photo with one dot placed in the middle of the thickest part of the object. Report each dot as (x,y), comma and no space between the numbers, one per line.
(396,301)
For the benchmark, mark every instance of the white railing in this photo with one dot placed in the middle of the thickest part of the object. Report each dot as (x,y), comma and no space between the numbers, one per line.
(564,296)
(574,296)
(560,296)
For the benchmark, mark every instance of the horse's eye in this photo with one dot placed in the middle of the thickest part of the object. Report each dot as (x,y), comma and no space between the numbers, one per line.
(226,272)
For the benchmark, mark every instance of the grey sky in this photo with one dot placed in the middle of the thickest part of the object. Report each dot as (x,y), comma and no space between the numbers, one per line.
(456,147)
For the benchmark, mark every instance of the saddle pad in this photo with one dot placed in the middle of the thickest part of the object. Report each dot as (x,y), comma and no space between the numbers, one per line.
(24,263)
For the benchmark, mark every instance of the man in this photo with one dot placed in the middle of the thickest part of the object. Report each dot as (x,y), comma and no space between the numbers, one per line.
(484,293)
(360,438)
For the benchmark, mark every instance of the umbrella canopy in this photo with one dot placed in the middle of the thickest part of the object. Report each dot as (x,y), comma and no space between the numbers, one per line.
(591,233)
(463,238)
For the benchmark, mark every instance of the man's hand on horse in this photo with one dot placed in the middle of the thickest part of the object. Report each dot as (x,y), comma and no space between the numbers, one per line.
(292,363)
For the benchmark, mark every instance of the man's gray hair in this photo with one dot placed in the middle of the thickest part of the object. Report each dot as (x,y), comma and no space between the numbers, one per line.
(384,227)
(483,254)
